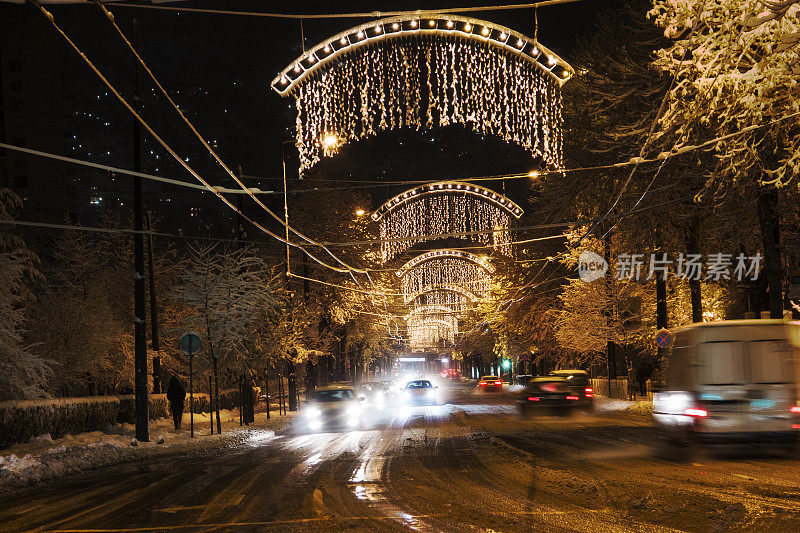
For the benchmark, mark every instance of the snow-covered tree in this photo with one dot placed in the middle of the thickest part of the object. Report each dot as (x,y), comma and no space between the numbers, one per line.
(735,92)
(23,374)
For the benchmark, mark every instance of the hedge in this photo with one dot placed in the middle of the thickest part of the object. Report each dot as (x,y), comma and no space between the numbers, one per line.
(158,407)
(22,420)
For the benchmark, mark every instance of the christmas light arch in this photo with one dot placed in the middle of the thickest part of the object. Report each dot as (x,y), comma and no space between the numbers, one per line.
(454,187)
(426,71)
(446,271)
(445,252)
(445,208)
(425,311)
(427,291)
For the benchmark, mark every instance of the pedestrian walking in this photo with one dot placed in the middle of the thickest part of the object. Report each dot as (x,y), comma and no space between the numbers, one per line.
(176,394)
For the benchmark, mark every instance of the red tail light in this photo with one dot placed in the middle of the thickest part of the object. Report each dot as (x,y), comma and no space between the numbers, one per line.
(588,392)
(533,399)
(482,383)
(572,398)
(795,409)
(498,382)
(696,412)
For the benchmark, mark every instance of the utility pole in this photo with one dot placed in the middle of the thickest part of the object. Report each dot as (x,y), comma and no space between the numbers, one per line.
(140,328)
(153,310)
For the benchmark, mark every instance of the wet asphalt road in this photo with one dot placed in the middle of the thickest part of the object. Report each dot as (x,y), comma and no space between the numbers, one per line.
(467,465)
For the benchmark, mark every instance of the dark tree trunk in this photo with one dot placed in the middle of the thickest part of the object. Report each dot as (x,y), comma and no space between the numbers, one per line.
(693,247)
(611,348)
(769,220)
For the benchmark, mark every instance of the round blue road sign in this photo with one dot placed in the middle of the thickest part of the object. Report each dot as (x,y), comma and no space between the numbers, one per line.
(190,344)
(664,338)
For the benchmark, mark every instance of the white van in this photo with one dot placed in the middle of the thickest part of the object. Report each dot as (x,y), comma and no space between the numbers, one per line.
(731,381)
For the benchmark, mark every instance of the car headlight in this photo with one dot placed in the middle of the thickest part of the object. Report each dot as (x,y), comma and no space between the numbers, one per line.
(313,412)
(406,395)
(354,410)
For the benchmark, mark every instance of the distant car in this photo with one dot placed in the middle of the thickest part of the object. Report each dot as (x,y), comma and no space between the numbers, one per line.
(420,391)
(547,395)
(334,406)
(373,392)
(578,382)
(490,384)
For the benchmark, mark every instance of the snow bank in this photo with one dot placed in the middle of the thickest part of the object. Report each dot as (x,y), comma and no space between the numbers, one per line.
(44,458)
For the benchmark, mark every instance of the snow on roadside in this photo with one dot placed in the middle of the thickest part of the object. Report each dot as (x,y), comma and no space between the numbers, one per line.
(44,458)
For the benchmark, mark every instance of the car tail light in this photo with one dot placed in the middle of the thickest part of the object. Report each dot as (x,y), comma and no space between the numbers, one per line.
(572,398)
(588,392)
(482,383)
(498,382)
(695,412)
(533,399)
(795,409)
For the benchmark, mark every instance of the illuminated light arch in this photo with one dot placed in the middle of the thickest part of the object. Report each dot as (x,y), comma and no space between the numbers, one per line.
(445,252)
(469,295)
(425,72)
(445,208)
(429,310)
(456,187)
(497,36)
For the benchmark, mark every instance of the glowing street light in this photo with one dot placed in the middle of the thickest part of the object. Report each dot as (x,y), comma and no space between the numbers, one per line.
(330,141)
(533,174)
(360,212)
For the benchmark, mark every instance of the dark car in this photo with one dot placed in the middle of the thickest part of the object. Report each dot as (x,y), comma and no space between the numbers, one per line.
(547,395)
(579,384)
(490,384)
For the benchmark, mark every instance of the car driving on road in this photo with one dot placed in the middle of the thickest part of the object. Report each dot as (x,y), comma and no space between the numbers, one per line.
(334,406)
(373,392)
(548,395)
(490,384)
(730,382)
(420,391)
(580,386)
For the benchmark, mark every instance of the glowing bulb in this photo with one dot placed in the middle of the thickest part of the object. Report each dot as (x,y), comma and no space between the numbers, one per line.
(520,43)
(535,51)
(485,31)
(360,34)
(533,174)
(413,23)
(449,23)
(330,140)
(503,35)
(377,29)
(360,212)
(467,27)
(283,79)
(431,23)
(327,48)
(551,60)
(297,68)
(343,40)
(395,26)
(311,59)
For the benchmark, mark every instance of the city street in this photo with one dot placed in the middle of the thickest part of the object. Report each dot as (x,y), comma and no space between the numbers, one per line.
(470,464)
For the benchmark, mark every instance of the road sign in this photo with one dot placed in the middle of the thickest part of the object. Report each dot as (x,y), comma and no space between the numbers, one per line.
(190,344)
(664,338)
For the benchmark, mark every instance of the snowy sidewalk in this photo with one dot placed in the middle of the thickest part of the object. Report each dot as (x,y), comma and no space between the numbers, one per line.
(43,458)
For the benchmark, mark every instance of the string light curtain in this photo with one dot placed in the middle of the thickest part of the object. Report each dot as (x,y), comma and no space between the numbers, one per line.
(447,212)
(425,72)
(424,84)
(440,272)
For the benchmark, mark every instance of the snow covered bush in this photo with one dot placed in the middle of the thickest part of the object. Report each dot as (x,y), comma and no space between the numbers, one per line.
(22,420)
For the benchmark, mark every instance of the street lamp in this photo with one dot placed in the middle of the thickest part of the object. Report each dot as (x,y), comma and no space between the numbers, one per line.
(360,212)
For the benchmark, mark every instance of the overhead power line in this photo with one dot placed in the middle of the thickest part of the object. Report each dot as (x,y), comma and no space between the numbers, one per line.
(370,14)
